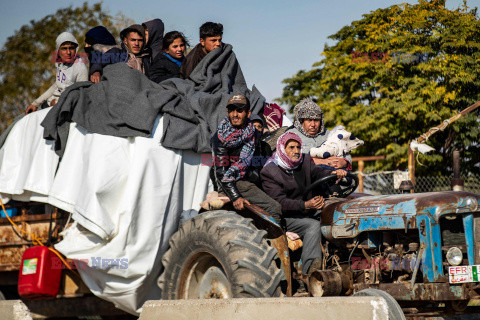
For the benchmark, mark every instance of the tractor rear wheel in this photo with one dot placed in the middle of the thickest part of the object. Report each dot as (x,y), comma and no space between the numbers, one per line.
(219,254)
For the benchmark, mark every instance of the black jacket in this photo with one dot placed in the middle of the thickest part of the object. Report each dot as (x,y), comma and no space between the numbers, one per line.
(163,68)
(103,55)
(223,157)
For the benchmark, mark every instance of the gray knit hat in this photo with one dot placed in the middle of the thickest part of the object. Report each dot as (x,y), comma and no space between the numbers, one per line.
(307,109)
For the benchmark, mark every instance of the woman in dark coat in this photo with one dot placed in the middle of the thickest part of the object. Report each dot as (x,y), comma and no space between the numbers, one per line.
(167,65)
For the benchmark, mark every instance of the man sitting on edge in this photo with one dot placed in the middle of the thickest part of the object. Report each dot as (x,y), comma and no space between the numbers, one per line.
(236,149)
(210,39)
(70,68)
(285,177)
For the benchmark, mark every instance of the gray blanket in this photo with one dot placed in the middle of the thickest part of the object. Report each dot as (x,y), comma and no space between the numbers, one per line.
(125,103)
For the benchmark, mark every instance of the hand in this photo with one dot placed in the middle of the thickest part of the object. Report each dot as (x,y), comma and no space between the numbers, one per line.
(53,102)
(318,161)
(337,163)
(95,77)
(315,203)
(240,203)
(31,108)
(340,174)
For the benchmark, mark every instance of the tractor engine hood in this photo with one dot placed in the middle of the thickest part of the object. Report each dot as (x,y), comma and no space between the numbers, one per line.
(434,204)
(375,213)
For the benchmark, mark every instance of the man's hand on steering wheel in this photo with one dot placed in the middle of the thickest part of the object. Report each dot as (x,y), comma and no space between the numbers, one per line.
(315,203)
(340,174)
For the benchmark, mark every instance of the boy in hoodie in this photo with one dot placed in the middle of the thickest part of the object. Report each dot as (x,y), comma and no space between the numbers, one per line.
(153,37)
(69,69)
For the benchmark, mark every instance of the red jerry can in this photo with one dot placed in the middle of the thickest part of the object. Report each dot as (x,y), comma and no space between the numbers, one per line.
(40,273)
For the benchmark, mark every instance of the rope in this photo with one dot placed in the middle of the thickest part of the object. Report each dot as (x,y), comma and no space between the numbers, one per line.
(36,240)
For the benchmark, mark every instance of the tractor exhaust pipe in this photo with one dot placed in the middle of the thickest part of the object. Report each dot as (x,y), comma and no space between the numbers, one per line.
(322,283)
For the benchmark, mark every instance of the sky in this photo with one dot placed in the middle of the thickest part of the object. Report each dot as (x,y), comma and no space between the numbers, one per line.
(273,39)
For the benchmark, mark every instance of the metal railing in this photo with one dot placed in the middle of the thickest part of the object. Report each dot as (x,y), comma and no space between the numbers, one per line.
(384,183)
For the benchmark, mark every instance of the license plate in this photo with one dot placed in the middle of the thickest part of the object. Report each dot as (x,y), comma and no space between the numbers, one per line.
(463,274)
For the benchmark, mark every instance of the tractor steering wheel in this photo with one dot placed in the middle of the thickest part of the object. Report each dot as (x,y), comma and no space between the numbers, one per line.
(347,186)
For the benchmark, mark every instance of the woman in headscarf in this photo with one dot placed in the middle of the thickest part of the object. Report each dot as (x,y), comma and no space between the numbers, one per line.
(285,177)
(309,125)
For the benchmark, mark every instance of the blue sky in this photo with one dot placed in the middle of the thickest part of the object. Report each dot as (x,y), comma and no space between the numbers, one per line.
(273,39)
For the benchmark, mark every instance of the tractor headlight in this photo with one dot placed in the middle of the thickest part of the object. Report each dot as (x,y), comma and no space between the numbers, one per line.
(472,204)
(454,256)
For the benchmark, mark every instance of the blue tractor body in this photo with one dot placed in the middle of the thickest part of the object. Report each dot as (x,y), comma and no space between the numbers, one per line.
(400,243)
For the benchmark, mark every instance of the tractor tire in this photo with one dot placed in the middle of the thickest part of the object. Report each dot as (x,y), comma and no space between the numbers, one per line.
(394,310)
(220,254)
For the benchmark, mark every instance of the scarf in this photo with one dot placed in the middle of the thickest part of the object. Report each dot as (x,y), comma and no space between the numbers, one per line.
(178,62)
(280,157)
(232,137)
(307,109)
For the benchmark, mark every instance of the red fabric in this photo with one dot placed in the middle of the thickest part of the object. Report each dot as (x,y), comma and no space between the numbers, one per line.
(273,114)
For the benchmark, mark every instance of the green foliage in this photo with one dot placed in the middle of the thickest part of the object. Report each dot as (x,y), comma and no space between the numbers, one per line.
(26,67)
(387,98)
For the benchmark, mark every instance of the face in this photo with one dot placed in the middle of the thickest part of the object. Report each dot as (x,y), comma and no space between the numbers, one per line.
(176,49)
(311,126)
(210,43)
(238,116)
(67,52)
(258,125)
(134,42)
(292,149)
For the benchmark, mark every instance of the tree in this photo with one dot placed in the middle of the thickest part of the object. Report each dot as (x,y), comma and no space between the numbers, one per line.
(26,65)
(396,73)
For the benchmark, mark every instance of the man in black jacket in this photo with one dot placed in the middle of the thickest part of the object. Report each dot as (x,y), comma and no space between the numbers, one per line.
(238,158)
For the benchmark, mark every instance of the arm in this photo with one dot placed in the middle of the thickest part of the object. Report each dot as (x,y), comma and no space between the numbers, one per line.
(96,63)
(82,74)
(158,73)
(221,161)
(47,94)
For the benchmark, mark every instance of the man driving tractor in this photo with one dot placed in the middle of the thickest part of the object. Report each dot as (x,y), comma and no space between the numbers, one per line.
(285,177)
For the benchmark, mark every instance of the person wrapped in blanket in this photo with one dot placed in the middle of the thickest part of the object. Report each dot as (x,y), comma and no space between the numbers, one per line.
(238,158)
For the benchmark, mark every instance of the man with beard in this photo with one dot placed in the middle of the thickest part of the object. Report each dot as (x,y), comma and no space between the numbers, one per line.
(285,177)
(236,148)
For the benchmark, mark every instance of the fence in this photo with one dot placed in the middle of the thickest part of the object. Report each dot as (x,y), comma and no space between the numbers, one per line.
(385,183)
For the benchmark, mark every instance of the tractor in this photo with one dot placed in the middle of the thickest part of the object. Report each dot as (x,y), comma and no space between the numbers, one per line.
(419,251)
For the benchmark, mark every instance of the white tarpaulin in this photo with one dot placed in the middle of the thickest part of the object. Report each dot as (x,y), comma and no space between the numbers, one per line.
(125,196)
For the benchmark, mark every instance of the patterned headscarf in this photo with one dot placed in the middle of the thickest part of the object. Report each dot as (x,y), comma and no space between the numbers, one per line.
(280,157)
(307,109)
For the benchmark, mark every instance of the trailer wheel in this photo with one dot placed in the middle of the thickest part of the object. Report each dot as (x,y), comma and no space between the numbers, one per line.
(219,254)
(394,310)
